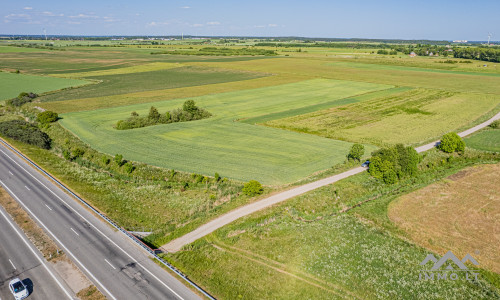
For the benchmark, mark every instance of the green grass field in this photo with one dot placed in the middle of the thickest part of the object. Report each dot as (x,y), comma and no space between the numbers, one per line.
(487,140)
(168,78)
(410,117)
(220,144)
(12,84)
(303,250)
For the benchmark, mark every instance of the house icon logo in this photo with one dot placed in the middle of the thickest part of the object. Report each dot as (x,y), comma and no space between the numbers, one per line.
(448,267)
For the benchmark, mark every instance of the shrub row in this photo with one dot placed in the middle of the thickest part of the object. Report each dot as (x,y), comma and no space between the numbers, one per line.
(23,131)
(188,112)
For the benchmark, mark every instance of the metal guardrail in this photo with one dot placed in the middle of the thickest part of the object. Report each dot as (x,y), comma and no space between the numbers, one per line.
(141,244)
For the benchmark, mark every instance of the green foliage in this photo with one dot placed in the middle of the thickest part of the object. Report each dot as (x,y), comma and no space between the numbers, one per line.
(66,154)
(356,153)
(189,112)
(484,54)
(391,164)
(451,142)
(21,99)
(119,160)
(253,188)
(23,131)
(105,160)
(153,115)
(217,177)
(78,152)
(129,167)
(495,124)
(47,117)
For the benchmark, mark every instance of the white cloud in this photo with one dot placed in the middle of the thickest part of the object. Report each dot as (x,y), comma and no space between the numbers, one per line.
(259,26)
(152,24)
(51,14)
(74,23)
(185,7)
(28,7)
(17,17)
(197,25)
(272,25)
(213,23)
(84,16)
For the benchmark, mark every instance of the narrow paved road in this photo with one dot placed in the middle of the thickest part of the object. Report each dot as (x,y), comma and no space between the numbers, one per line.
(20,258)
(118,268)
(177,244)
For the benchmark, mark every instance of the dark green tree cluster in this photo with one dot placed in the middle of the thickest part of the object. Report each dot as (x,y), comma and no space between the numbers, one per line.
(253,188)
(394,163)
(188,112)
(23,131)
(495,124)
(485,54)
(22,99)
(451,142)
(47,117)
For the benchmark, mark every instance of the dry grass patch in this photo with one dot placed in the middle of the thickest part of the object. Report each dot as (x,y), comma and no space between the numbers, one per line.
(460,213)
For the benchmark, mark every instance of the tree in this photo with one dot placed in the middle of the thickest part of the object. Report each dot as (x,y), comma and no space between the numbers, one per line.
(78,152)
(47,117)
(253,188)
(357,151)
(217,177)
(190,106)
(153,114)
(451,142)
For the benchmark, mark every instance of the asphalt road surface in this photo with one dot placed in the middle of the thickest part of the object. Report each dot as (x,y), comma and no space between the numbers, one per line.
(211,226)
(19,258)
(118,268)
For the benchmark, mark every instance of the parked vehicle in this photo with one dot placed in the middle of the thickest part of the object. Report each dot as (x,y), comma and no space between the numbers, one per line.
(366,164)
(18,289)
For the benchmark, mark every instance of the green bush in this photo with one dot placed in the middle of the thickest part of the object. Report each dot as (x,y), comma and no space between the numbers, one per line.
(451,142)
(47,117)
(66,155)
(23,131)
(22,99)
(129,167)
(253,188)
(217,177)
(77,152)
(357,151)
(119,160)
(495,124)
(105,160)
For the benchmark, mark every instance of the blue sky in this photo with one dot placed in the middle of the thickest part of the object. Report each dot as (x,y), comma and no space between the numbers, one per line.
(438,19)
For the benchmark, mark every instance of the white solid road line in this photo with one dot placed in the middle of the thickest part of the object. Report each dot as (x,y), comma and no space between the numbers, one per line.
(12,264)
(74,231)
(27,188)
(53,236)
(110,264)
(48,207)
(35,254)
(105,236)
(11,173)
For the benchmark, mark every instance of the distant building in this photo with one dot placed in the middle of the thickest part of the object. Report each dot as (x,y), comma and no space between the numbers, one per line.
(431,54)
(413,54)
(460,41)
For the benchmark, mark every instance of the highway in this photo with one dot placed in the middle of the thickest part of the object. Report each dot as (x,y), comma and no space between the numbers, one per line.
(19,258)
(118,267)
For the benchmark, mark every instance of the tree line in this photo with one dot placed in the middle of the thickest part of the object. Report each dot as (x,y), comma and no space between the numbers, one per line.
(188,112)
